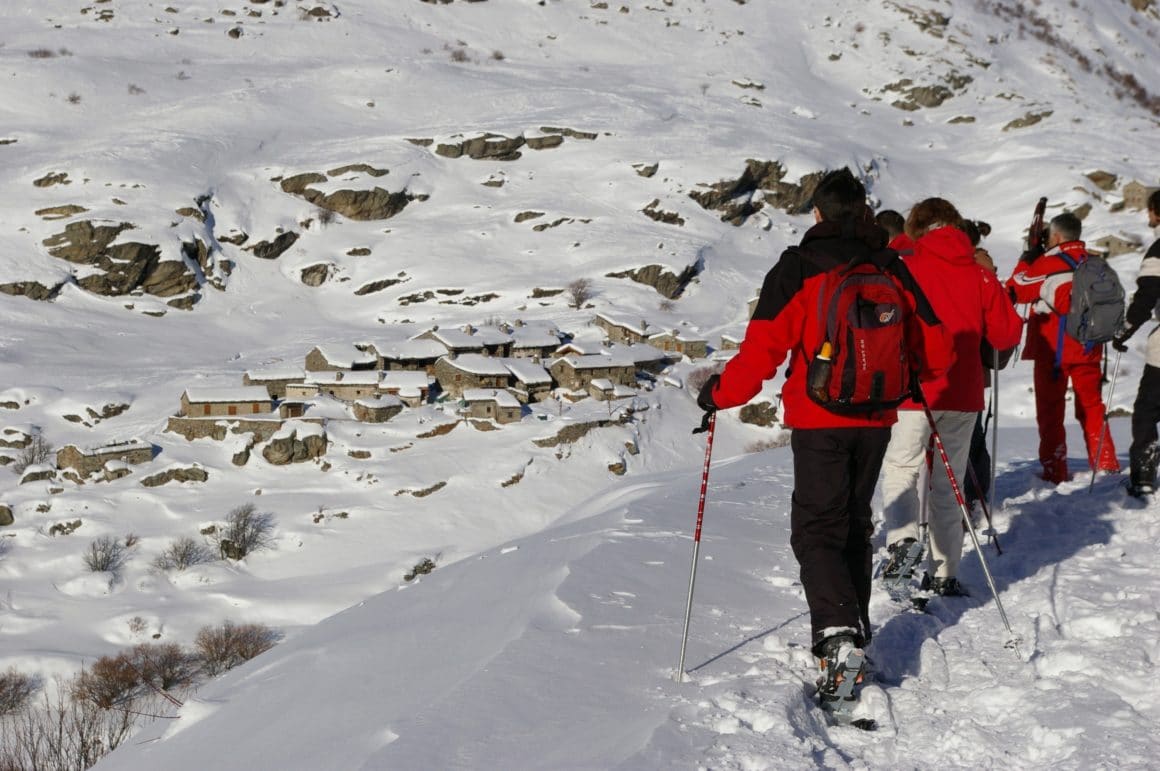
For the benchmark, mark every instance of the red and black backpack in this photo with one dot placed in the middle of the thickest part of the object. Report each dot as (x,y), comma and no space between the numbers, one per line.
(864,316)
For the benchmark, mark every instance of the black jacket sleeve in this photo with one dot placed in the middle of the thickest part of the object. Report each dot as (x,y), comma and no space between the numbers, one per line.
(1147,295)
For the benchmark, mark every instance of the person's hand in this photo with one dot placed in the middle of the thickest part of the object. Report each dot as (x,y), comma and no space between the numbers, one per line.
(1120,341)
(1031,255)
(705,397)
(983,260)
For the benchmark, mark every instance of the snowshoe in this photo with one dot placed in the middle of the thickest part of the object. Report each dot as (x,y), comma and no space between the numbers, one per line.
(843,668)
(904,558)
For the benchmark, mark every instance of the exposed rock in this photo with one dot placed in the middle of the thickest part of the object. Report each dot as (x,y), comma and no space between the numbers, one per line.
(6,517)
(14,438)
(378,286)
(60,212)
(185,303)
(574,432)
(65,528)
(237,239)
(192,474)
(359,454)
(759,414)
(83,242)
(545,142)
(290,449)
(169,278)
(524,216)
(272,250)
(646,170)
(424,492)
(37,474)
(738,199)
(424,567)
(961,119)
(568,132)
(297,184)
(33,290)
(364,168)
(242,456)
(1030,119)
(1104,180)
(53,178)
(538,293)
(421,142)
(620,468)
(660,278)
(192,212)
(1082,211)
(652,211)
(359,251)
(317,274)
(494,147)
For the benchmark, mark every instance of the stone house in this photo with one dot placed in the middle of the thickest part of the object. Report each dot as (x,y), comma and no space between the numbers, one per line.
(411,388)
(530,381)
(377,410)
(225,402)
(576,372)
(621,330)
(602,389)
(534,342)
(471,370)
(496,342)
(410,355)
(274,379)
(93,460)
(681,343)
(731,342)
(336,356)
(344,385)
(455,341)
(647,358)
(1113,246)
(492,404)
(1136,195)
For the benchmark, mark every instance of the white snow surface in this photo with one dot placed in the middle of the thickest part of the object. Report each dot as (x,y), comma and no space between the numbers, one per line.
(548,635)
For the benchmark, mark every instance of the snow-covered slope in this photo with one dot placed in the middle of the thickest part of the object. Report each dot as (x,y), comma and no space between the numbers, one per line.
(187,127)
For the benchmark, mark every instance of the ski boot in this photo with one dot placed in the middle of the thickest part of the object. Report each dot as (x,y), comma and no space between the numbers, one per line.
(904,557)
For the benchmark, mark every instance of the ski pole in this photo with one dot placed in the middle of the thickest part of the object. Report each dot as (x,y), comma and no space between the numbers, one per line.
(1104,425)
(1013,640)
(712,425)
(986,510)
(993,410)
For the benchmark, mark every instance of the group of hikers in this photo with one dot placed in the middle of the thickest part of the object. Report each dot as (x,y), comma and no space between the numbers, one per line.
(888,323)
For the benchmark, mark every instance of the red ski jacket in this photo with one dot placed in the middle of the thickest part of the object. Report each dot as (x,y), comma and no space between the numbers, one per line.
(786,321)
(972,306)
(1046,284)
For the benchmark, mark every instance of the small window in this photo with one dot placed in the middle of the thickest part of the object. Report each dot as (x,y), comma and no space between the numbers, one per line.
(205,409)
(233,409)
(257,409)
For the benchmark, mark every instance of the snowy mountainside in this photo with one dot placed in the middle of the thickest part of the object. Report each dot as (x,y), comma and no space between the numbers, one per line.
(188,186)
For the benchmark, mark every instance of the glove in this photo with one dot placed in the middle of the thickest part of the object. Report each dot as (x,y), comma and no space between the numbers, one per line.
(1120,341)
(705,397)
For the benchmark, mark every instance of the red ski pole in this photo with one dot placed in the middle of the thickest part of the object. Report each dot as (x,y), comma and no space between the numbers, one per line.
(712,425)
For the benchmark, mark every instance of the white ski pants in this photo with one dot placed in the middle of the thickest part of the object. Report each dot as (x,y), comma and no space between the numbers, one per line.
(904,484)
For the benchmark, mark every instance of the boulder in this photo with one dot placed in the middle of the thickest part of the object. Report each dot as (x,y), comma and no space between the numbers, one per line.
(6,517)
(662,279)
(362,205)
(33,290)
(282,450)
(272,250)
(191,474)
(316,274)
(83,242)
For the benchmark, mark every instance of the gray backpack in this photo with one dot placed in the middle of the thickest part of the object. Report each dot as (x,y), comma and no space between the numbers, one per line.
(1097,302)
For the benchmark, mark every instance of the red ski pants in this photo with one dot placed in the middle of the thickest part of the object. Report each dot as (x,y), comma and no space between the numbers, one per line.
(1050,401)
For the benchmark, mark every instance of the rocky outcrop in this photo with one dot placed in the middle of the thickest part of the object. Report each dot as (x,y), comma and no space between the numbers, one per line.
(272,250)
(1030,119)
(316,274)
(574,432)
(127,267)
(659,277)
(33,290)
(759,414)
(378,286)
(60,212)
(282,450)
(6,517)
(760,183)
(654,212)
(362,205)
(191,474)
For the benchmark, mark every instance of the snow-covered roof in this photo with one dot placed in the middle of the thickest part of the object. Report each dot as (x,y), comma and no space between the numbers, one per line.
(527,371)
(345,355)
(603,383)
(119,447)
(637,325)
(342,378)
(199,395)
(404,350)
(478,364)
(594,361)
(386,400)
(638,353)
(498,395)
(395,378)
(275,373)
(492,336)
(678,334)
(456,339)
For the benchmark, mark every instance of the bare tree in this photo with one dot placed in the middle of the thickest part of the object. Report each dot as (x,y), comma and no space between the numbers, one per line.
(224,647)
(246,530)
(106,554)
(580,292)
(37,451)
(182,553)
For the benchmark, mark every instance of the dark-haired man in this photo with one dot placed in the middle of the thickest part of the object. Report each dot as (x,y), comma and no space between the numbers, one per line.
(836,457)
(1145,452)
(895,226)
(1044,281)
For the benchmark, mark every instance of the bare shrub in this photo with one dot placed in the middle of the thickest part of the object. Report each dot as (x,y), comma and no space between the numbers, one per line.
(771,443)
(326,217)
(224,647)
(42,53)
(164,666)
(579,292)
(497,55)
(246,530)
(38,451)
(112,681)
(697,378)
(74,98)
(106,554)
(666,305)
(459,55)
(16,689)
(134,89)
(182,553)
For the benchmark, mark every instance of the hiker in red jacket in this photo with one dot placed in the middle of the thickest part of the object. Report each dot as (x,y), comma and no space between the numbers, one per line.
(973,307)
(836,457)
(1045,282)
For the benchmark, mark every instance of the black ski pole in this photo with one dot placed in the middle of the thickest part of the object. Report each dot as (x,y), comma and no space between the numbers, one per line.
(1104,425)
(711,428)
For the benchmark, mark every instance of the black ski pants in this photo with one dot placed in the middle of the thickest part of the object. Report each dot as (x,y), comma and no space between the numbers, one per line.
(835,471)
(1145,416)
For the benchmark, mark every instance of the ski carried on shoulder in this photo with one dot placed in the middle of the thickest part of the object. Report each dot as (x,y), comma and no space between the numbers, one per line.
(838,688)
